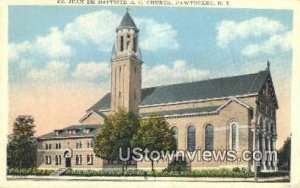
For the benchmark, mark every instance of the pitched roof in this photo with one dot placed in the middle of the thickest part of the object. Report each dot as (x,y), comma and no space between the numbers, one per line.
(62,133)
(200,110)
(127,22)
(199,90)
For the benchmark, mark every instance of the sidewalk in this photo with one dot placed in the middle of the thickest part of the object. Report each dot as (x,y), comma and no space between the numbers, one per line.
(138,179)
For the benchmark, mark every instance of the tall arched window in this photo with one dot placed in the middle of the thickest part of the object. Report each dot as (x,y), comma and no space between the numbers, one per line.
(134,44)
(191,138)
(233,136)
(272,128)
(56,160)
(175,130)
(209,137)
(122,44)
(266,126)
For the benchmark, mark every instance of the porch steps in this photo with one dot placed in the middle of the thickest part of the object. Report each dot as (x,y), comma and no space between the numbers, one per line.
(58,172)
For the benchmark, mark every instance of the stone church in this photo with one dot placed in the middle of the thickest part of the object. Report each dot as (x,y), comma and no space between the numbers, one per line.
(230,113)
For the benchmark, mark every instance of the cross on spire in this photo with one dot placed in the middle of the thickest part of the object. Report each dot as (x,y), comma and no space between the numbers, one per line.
(268,65)
(127,8)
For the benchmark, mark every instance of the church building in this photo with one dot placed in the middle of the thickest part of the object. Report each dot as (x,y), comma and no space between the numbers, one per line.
(230,113)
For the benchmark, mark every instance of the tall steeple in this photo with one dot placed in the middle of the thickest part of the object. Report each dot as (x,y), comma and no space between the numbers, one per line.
(126,67)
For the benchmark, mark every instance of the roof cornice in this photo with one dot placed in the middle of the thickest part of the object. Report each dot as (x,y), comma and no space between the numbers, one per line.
(232,99)
(70,137)
(199,100)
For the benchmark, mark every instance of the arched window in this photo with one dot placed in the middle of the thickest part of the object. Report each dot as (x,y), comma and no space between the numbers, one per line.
(122,44)
(272,128)
(209,137)
(191,138)
(134,44)
(266,125)
(269,127)
(175,130)
(233,136)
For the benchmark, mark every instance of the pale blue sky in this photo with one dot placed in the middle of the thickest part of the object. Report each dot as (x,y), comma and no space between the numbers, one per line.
(196,35)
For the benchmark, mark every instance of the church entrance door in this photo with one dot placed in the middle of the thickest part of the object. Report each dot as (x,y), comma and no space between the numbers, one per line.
(68,162)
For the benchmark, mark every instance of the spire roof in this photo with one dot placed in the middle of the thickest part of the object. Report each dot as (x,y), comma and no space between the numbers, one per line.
(127,22)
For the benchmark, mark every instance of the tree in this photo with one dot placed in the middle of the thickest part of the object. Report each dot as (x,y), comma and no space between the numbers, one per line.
(116,133)
(154,134)
(21,148)
(284,155)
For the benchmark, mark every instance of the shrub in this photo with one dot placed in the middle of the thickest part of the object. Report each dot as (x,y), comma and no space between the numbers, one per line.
(179,165)
(241,173)
(273,174)
(28,171)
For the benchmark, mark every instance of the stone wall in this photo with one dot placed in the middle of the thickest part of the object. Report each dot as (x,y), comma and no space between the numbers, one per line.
(67,144)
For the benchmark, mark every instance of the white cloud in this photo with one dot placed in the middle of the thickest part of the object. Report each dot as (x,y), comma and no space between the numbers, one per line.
(228,30)
(178,72)
(53,72)
(16,50)
(97,28)
(91,71)
(53,45)
(282,42)
(157,35)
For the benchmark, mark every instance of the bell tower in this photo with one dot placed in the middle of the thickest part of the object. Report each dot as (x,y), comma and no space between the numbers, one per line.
(126,75)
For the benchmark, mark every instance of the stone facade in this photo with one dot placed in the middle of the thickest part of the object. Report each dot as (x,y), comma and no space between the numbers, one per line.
(244,119)
(77,151)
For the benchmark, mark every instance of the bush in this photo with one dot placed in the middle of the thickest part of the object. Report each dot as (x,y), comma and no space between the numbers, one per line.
(106,172)
(239,173)
(273,174)
(28,171)
(177,166)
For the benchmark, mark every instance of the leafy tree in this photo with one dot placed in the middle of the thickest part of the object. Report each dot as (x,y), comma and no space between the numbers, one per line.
(284,155)
(116,133)
(21,148)
(154,134)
